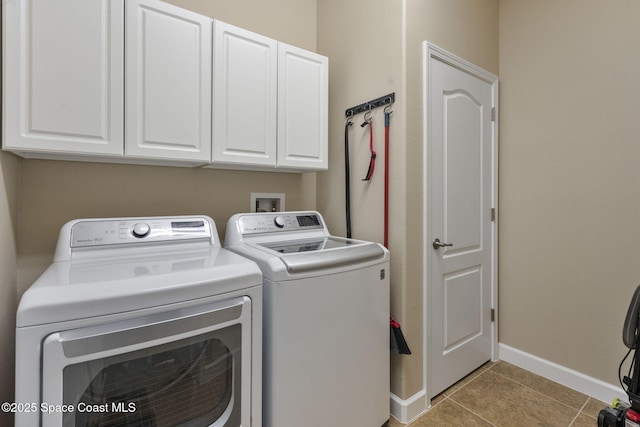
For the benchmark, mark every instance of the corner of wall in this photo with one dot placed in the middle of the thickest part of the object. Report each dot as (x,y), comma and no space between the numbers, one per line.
(9,180)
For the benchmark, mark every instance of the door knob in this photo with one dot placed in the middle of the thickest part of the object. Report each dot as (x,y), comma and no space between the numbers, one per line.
(437,244)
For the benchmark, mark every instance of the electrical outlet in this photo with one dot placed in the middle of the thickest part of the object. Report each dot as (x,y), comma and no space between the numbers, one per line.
(267,202)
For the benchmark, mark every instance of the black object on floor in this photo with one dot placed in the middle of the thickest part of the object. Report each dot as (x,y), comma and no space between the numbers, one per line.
(398,343)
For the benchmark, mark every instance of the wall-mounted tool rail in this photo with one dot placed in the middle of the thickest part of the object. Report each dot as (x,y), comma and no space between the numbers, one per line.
(370,105)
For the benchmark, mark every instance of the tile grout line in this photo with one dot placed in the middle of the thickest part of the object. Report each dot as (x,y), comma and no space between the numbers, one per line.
(490,367)
(469,378)
(447,396)
(429,410)
(540,393)
(579,412)
(464,407)
(467,409)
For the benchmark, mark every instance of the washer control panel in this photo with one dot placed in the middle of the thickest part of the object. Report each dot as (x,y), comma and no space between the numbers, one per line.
(137,230)
(279,222)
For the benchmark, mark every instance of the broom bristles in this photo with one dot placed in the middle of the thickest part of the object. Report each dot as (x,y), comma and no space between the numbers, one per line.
(398,342)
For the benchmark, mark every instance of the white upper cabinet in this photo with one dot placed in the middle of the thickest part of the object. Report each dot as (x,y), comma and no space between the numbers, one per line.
(270,103)
(144,81)
(302,109)
(245,101)
(168,83)
(63,77)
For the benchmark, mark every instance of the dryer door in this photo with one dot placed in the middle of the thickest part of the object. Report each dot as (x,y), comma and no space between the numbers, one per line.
(186,367)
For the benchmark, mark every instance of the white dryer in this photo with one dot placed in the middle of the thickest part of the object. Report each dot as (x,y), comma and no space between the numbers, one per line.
(326,320)
(141,322)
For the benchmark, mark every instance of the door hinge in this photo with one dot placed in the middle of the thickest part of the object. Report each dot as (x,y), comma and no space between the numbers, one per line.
(493,114)
(493,314)
(493,214)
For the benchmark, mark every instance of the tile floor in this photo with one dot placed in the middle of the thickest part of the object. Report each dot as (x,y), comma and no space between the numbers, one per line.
(503,395)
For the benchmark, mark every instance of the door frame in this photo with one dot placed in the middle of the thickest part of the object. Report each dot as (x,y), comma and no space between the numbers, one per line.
(431,51)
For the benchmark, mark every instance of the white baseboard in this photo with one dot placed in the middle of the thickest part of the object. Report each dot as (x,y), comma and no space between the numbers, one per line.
(409,409)
(578,381)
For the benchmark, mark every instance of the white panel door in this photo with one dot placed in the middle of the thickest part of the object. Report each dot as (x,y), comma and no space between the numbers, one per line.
(63,76)
(245,101)
(302,108)
(168,78)
(460,179)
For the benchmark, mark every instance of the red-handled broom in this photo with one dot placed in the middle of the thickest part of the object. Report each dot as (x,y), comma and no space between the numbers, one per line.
(398,343)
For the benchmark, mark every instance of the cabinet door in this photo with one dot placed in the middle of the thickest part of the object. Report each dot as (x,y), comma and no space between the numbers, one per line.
(168,83)
(302,108)
(63,76)
(245,74)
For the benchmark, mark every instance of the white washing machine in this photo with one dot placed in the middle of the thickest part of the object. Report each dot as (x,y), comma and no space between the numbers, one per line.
(141,322)
(325,320)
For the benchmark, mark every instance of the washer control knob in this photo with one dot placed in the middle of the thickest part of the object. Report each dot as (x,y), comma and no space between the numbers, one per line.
(140,230)
(279,221)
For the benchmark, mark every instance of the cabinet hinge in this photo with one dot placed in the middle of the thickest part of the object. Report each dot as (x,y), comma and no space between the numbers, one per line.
(493,114)
(493,314)
(493,214)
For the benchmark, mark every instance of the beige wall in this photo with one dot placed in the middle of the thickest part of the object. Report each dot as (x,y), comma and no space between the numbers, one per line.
(375,48)
(9,181)
(569,178)
(289,21)
(9,166)
(53,192)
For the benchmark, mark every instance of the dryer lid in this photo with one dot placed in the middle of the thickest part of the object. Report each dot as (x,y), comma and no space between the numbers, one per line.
(80,289)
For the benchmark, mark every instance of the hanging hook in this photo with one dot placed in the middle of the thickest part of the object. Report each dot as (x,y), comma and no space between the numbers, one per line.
(349,117)
(372,161)
(367,117)
(387,108)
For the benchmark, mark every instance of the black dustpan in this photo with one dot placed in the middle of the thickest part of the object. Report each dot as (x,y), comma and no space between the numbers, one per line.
(398,343)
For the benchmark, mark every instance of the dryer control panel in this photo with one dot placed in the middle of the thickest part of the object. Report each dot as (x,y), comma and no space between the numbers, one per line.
(87,233)
(279,222)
